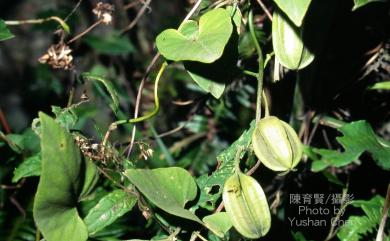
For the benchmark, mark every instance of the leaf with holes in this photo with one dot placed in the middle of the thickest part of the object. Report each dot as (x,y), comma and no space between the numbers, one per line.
(55,211)
(168,188)
(206,183)
(203,43)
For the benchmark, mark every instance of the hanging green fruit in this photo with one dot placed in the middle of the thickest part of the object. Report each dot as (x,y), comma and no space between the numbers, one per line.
(288,44)
(276,144)
(246,205)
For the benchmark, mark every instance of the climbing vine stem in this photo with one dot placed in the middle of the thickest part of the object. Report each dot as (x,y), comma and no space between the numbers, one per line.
(149,115)
(261,66)
(39,21)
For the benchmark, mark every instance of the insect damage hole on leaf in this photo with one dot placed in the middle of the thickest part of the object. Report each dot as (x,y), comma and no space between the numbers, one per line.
(214,189)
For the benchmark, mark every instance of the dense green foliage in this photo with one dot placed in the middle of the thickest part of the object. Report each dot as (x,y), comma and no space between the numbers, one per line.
(144,120)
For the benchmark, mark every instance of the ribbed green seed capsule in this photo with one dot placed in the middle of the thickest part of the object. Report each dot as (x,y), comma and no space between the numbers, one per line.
(246,205)
(276,144)
(288,43)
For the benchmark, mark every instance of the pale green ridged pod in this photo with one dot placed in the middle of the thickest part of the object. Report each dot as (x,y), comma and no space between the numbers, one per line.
(276,144)
(246,205)
(288,44)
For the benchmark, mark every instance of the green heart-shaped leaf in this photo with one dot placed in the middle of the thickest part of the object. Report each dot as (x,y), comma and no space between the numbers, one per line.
(213,77)
(204,43)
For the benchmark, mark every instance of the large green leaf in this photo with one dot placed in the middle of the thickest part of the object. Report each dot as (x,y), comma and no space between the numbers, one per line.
(109,86)
(215,181)
(204,43)
(358,226)
(361,3)
(108,209)
(4,31)
(168,188)
(55,211)
(357,138)
(295,10)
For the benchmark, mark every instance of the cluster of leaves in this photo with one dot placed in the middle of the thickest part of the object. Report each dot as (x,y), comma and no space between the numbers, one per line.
(94,190)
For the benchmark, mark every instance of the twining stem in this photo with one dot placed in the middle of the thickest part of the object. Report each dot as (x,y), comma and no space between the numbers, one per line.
(259,77)
(73,10)
(261,67)
(138,101)
(333,229)
(149,68)
(149,115)
(156,100)
(37,235)
(85,31)
(4,122)
(380,234)
(39,21)
(265,9)
(137,18)
(192,11)
(195,235)
(250,73)
(328,121)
